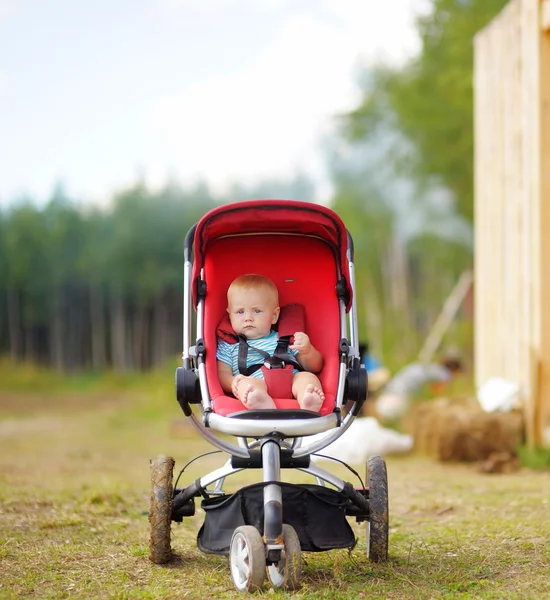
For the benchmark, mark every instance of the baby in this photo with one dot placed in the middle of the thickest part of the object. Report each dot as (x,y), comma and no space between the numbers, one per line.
(253,307)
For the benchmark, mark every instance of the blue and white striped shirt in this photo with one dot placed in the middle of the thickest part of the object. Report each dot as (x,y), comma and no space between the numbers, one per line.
(229,353)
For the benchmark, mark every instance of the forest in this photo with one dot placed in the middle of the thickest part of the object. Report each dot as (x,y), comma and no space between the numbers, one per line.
(86,287)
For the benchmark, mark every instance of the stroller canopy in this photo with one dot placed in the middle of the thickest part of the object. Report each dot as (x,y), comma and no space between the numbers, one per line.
(274,217)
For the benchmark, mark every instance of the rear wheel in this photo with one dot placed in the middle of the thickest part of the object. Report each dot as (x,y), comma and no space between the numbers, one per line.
(247,559)
(160,508)
(287,572)
(378,524)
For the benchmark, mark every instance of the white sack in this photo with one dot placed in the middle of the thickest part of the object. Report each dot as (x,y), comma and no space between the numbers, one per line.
(365,437)
(498,395)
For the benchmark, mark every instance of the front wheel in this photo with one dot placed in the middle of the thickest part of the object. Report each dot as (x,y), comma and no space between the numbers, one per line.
(247,559)
(160,508)
(287,572)
(378,524)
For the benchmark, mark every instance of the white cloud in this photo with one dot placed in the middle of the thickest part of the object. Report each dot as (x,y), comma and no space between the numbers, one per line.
(384,30)
(214,7)
(8,8)
(267,120)
(231,91)
(4,84)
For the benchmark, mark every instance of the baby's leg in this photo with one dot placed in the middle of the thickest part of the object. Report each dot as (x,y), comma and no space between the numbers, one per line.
(252,392)
(306,388)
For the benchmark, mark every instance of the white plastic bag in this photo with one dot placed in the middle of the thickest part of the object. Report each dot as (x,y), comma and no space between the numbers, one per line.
(498,395)
(365,437)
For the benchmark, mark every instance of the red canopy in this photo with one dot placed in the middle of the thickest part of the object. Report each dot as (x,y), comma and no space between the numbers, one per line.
(273,216)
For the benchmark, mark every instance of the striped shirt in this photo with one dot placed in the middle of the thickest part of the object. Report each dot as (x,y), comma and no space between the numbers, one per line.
(229,353)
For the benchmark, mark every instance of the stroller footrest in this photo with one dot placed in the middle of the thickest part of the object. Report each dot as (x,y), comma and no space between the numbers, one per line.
(277,413)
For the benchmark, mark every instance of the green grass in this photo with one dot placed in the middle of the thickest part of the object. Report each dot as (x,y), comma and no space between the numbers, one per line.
(74,490)
(29,377)
(536,458)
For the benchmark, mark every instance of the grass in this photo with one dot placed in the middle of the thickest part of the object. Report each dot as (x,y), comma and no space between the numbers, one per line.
(28,377)
(536,458)
(74,489)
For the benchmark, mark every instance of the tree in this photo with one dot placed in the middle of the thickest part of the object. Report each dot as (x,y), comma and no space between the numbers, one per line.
(27,279)
(430,100)
(85,287)
(66,291)
(4,340)
(366,200)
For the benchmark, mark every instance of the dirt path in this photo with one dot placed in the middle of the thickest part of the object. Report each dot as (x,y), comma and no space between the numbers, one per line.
(74,486)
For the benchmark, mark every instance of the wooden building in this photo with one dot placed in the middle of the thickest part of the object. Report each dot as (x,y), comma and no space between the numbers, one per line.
(512,206)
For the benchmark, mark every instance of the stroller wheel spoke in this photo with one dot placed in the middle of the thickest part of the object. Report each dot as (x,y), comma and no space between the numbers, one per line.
(247,559)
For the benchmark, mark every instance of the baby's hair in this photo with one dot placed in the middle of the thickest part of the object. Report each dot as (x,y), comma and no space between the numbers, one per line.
(252,280)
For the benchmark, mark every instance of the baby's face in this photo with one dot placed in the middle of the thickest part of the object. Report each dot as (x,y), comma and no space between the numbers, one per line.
(252,312)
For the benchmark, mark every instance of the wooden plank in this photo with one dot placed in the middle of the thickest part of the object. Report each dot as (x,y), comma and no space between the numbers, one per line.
(529,413)
(480,43)
(513,198)
(544,395)
(545,15)
(482,134)
(530,280)
(497,217)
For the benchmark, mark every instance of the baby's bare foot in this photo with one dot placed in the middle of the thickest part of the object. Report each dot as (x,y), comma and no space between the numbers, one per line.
(312,398)
(254,398)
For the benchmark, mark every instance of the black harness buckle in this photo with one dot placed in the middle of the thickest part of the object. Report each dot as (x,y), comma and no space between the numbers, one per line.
(274,362)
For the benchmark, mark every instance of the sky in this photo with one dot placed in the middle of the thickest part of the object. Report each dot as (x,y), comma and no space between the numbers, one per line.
(94,95)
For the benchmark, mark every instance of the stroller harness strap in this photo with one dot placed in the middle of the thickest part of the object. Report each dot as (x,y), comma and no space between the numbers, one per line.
(277,369)
(280,358)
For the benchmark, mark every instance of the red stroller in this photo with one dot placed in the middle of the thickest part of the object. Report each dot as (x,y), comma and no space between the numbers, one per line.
(263,528)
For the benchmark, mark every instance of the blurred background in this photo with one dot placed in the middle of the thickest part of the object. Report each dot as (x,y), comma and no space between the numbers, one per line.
(122,123)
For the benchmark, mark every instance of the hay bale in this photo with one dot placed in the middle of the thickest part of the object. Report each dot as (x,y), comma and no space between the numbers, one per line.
(457,429)
(500,462)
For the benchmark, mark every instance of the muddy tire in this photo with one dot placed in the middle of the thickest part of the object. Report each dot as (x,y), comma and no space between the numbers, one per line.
(378,524)
(286,574)
(160,508)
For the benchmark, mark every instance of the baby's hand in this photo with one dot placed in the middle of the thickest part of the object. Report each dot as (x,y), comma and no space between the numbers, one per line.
(302,343)
(235,385)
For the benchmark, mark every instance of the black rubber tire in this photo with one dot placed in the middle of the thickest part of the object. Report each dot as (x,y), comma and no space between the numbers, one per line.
(287,573)
(378,524)
(160,509)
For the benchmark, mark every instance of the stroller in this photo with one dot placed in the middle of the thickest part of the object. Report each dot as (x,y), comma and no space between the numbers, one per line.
(263,528)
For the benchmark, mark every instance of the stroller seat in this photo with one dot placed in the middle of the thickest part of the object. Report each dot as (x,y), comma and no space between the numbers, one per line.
(303,270)
(304,249)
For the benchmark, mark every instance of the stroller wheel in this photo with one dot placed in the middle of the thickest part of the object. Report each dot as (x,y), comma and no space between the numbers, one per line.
(160,508)
(377,526)
(286,573)
(247,559)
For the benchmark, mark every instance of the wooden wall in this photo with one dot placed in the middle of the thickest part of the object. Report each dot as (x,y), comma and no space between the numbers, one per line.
(512,206)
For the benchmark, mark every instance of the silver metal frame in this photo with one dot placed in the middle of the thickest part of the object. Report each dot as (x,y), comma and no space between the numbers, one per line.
(271,473)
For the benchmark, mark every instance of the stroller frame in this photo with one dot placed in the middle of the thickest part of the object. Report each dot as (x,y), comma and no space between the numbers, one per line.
(268,439)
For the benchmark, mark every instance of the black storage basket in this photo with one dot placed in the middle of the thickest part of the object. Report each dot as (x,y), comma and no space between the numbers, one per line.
(318,514)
